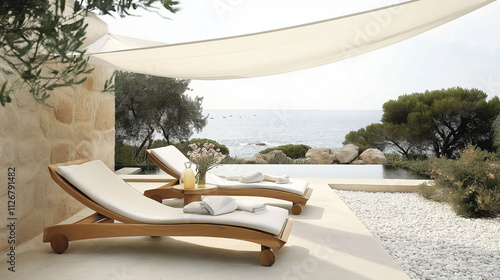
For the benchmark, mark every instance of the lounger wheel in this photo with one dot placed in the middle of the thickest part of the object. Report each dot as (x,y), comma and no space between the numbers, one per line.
(296,209)
(59,243)
(266,256)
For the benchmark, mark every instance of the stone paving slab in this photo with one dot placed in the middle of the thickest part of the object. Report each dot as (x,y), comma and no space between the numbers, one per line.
(376,185)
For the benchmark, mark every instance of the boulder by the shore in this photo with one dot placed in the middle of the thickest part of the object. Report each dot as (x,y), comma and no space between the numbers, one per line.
(271,157)
(255,159)
(275,156)
(320,156)
(373,156)
(358,161)
(348,154)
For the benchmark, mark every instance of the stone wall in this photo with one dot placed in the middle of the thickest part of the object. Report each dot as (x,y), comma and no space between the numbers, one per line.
(32,136)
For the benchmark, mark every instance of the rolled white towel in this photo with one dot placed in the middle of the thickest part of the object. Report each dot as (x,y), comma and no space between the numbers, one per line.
(250,206)
(282,179)
(252,177)
(232,178)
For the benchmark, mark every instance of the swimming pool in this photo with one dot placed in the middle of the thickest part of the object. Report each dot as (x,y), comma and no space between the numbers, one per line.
(338,171)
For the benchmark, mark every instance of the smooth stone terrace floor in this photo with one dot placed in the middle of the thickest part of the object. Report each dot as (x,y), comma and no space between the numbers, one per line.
(327,242)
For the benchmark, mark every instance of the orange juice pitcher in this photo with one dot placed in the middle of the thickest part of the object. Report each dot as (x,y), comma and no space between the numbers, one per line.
(189,178)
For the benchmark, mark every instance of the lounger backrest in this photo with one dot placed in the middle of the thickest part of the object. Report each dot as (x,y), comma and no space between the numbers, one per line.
(172,158)
(100,184)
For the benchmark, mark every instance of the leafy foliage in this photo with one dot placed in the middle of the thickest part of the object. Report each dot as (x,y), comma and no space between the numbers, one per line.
(149,106)
(40,42)
(418,166)
(125,154)
(233,160)
(471,183)
(290,150)
(496,133)
(365,138)
(440,121)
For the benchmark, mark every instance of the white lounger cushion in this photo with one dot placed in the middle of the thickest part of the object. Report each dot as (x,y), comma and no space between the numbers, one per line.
(174,160)
(100,184)
(293,186)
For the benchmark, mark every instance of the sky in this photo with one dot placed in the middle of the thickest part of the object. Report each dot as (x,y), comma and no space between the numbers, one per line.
(464,52)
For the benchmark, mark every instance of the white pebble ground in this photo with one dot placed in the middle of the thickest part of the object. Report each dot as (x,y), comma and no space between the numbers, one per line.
(427,238)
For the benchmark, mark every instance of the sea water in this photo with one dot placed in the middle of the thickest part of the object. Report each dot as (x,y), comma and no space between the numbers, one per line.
(247,132)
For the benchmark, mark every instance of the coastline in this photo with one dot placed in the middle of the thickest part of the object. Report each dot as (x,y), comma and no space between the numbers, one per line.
(240,130)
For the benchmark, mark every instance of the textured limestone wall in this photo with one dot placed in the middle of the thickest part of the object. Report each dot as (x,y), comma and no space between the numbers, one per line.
(80,125)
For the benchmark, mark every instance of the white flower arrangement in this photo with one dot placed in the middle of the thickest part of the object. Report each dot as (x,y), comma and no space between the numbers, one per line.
(205,158)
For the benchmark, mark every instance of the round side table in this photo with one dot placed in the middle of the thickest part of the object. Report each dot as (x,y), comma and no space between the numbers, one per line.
(191,195)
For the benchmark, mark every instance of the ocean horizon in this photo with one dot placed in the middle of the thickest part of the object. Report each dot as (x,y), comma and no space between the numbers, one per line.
(247,132)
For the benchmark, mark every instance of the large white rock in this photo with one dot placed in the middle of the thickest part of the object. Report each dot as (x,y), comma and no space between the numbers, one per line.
(275,156)
(347,153)
(373,156)
(256,159)
(319,156)
(334,154)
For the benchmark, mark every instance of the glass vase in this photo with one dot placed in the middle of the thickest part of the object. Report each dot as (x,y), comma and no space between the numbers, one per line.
(201,178)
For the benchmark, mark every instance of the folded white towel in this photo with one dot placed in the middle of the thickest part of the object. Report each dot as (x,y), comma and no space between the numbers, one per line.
(211,205)
(218,205)
(282,179)
(196,207)
(250,206)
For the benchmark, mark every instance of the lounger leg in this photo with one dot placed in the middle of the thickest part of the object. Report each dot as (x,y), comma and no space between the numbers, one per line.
(157,198)
(267,256)
(59,243)
(296,209)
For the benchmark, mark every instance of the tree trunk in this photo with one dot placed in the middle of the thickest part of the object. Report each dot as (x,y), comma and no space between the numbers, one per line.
(148,137)
(166,135)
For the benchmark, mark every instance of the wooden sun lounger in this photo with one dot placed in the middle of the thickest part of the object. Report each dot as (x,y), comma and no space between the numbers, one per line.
(101,224)
(166,191)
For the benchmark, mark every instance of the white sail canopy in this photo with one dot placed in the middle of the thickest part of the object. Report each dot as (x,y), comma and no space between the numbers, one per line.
(283,50)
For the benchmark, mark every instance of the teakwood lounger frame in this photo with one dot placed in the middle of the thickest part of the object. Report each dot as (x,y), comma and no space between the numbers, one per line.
(101,224)
(166,191)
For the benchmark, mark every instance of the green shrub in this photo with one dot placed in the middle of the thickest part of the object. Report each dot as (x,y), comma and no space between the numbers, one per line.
(158,144)
(467,203)
(290,150)
(471,183)
(393,158)
(124,154)
(233,160)
(430,191)
(420,167)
